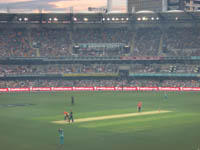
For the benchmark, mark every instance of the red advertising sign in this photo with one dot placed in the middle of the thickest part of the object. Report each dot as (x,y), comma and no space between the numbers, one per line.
(62,88)
(147,88)
(130,88)
(105,88)
(40,89)
(83,88)
(118,88)
(100,89)
(190,89)
(18,89)
(3,90)
(169,88)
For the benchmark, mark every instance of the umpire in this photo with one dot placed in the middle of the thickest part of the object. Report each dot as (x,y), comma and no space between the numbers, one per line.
(72,100)
(71,116)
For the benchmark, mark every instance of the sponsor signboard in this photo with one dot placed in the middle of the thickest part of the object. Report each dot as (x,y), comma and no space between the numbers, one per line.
(35,89)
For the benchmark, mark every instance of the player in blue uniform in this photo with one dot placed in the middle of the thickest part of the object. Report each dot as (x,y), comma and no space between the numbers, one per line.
(165,96)
(61,134)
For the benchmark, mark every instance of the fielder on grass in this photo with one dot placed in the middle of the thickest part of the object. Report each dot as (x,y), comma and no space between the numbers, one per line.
(61,134)
(139,106)
(165,96)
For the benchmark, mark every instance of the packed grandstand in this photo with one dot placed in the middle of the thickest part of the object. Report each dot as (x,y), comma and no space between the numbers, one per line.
(124,54)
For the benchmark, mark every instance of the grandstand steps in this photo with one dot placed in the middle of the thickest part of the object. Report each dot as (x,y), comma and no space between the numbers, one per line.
(132,42)
(30,39)
(70,42)
(161,45)
(37,52)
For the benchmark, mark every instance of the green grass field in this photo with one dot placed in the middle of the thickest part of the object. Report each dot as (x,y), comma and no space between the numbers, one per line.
(30,127)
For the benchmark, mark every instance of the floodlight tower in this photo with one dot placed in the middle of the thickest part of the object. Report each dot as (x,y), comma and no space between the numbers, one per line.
(71,10)
(109,5)
(8,9)
(40,10)
(127,6)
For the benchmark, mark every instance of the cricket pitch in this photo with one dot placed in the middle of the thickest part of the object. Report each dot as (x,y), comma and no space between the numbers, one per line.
(112,116)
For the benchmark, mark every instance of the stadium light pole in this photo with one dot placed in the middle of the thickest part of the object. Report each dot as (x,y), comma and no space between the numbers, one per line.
(71,10)
(8,9)
(40,10)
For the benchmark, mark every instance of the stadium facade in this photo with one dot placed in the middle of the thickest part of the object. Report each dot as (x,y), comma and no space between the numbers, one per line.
(139,5)
(145,49)
(156,5)
(192,5)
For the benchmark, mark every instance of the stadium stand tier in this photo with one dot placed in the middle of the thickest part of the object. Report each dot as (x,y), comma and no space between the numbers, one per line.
(102,50)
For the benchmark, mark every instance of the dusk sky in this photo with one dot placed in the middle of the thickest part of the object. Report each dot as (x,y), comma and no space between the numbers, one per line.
(59,6)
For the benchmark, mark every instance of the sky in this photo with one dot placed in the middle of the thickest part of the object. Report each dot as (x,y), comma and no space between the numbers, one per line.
(57,6)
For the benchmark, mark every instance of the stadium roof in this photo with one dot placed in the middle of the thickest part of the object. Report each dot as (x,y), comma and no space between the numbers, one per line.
(174,11)
(145,12)
(98,17)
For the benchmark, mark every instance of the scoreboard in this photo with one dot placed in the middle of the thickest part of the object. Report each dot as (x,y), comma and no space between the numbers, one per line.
(155,5)
(176,4)
(138,5)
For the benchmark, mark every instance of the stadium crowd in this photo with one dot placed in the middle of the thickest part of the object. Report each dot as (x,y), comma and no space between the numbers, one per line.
(15,43)
(100,83)
(51,42)
(182,42)
(95,68)
(56,69)
(165,68)
(147,42)
(101,36)
(46,42)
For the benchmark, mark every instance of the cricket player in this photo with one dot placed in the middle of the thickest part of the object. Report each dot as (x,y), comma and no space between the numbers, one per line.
(72,101)
(166,96)
(71,116)
(66,116)
(139,106)
(61,134)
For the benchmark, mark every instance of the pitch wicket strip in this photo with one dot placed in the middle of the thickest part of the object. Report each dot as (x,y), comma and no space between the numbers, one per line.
(113,116)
